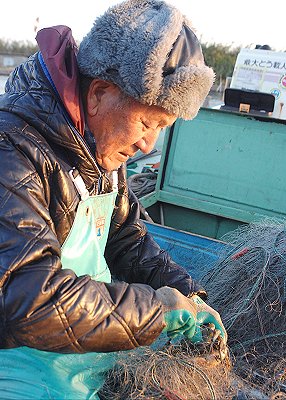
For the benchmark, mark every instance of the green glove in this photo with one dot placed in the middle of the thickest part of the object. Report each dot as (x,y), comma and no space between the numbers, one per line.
(180,323)
(185,316)
(206,316)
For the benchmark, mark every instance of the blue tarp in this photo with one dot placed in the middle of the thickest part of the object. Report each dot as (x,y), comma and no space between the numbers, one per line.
(194,252)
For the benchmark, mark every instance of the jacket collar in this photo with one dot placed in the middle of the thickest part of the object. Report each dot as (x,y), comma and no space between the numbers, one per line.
(58,54)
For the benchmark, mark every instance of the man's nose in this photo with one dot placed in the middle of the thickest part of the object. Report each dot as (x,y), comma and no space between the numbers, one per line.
(147,143)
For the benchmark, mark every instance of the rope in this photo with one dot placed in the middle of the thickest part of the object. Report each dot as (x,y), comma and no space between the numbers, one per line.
(142,184)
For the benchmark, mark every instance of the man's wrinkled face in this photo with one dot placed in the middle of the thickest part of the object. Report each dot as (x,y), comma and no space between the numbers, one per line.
(122,126)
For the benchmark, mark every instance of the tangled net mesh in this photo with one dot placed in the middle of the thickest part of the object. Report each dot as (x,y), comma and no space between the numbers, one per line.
(247,286)
(175,372)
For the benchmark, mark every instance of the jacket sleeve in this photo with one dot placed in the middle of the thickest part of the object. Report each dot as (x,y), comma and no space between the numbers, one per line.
(134,256)
(47,307)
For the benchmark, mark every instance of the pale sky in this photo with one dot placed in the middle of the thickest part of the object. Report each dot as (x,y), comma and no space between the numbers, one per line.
(241,23)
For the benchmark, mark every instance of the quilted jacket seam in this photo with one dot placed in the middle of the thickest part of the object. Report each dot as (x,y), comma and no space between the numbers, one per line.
(67,328)
(21,256)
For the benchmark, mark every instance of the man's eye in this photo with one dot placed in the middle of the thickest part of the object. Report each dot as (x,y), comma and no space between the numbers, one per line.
(145,125)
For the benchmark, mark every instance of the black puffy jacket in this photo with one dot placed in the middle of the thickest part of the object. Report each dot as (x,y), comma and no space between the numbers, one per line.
(43,305)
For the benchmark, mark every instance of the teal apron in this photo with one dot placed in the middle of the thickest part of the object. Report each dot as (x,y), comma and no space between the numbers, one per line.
(26,373)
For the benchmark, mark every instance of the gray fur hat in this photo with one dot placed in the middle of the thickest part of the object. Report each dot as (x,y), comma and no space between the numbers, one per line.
(148,49)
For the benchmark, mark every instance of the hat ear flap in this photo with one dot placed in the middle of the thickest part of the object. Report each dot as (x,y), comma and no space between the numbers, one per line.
(184,91)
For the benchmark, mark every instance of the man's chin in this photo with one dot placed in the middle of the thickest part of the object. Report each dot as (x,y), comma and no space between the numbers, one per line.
(109,165)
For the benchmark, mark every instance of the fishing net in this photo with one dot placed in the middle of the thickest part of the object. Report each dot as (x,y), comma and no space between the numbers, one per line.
(248,288)
(247,285)
(175,372)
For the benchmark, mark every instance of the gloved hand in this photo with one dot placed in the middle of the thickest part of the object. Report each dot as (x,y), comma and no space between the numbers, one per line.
(206,315)
(185,316)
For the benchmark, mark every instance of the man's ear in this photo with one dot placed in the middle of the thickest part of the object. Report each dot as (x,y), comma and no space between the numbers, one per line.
(97,89)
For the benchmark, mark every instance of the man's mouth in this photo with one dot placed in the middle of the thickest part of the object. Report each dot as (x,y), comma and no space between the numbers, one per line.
(126,155)
(123,156)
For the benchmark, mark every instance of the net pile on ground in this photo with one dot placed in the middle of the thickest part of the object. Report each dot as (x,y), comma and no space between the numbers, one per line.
(175,372)
(248,287)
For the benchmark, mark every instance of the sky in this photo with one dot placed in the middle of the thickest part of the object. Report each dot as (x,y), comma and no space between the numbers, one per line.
(242,23)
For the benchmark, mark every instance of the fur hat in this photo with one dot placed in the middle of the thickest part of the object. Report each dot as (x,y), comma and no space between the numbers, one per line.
(148,49)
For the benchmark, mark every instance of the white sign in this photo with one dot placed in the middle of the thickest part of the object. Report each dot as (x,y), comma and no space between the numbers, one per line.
(262,71)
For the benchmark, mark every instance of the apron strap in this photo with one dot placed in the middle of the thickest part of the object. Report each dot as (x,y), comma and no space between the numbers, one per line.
(115,181)
(79,183)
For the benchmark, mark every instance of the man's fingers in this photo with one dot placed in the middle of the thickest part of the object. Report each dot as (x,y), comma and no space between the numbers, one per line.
(216,334)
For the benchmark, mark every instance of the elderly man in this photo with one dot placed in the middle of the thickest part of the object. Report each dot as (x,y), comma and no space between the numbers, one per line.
(80,276)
